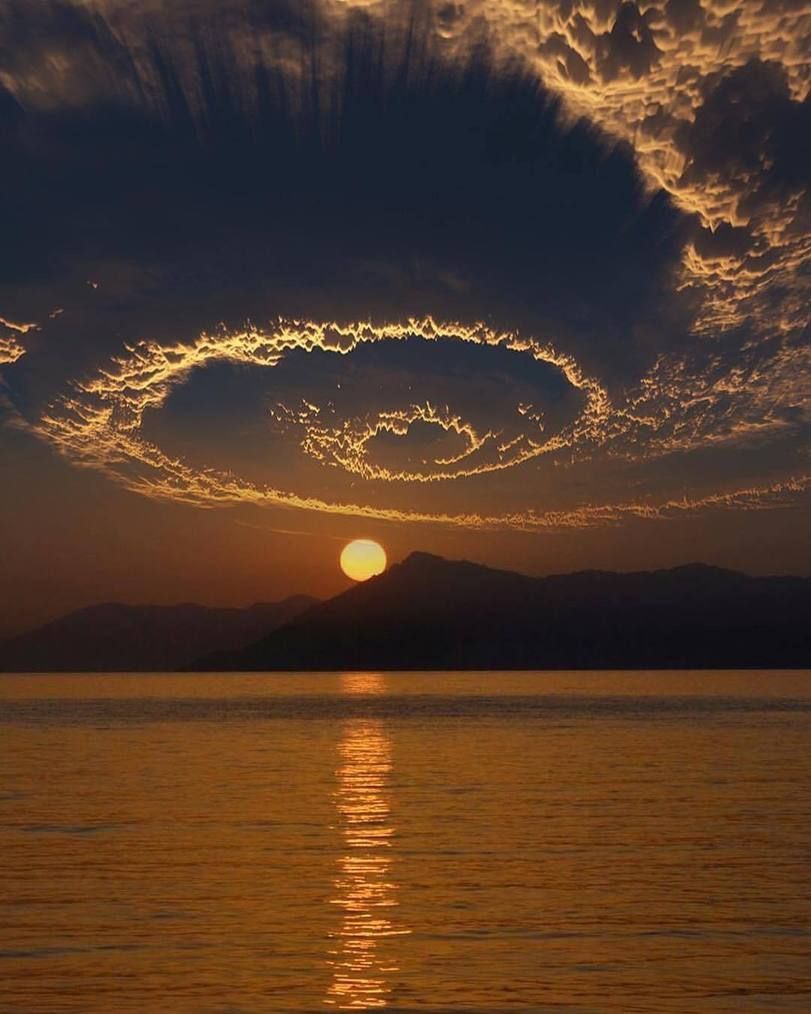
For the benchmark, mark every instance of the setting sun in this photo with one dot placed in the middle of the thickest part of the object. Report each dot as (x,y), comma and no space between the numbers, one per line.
(363,559)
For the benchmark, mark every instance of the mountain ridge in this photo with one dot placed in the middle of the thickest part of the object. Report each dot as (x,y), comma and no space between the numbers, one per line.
(430,613)
(119,637)
(426,612)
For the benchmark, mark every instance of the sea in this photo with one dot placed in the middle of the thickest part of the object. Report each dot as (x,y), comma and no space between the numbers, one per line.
(433,842)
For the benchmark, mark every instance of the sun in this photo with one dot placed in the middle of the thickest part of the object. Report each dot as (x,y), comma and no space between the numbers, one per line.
(363,559)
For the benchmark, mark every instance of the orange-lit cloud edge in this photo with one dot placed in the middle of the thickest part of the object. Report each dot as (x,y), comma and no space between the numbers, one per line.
(11,348)
(99,426)
(639,71)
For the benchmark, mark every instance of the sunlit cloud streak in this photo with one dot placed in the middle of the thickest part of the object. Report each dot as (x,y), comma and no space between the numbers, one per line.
(17,326)
(10,350)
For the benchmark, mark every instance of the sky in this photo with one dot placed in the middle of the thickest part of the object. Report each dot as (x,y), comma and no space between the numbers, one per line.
(519,282)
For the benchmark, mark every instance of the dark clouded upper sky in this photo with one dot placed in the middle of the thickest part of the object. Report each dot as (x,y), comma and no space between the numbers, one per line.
(524,282)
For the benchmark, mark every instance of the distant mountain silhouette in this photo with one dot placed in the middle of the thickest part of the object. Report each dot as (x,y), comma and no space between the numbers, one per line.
(430,613)
(122,638)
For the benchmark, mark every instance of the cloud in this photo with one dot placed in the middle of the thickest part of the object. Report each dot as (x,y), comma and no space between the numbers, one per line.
(22,328)
(10,350)
(99,426)
(684,15)
(629,45)
(456,180)
(750,135)
(626,181)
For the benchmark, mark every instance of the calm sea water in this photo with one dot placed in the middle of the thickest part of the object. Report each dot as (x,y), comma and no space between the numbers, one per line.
(467,842)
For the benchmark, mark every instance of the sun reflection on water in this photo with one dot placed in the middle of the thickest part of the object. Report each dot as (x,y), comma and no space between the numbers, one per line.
(364,889)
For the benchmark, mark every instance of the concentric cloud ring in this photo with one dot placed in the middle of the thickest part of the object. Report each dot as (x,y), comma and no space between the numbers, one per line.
(346,444)
(99,426)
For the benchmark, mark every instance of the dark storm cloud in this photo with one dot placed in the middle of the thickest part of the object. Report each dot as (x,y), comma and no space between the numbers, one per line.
(570,62)
(401,185)
(41,41)
(684,15)
(751,135)
(725,241)
(629,45)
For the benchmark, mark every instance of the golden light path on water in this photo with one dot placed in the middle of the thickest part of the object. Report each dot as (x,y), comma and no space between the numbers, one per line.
(364,889)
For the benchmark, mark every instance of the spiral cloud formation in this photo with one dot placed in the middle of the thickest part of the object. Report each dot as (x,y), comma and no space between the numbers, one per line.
(679,327)
(99,427)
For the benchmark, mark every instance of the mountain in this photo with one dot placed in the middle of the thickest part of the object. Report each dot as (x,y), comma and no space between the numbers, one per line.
(431,613)
(121,638)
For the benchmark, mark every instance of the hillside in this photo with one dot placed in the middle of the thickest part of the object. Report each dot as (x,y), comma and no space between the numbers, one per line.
(430,613)
(124,638)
